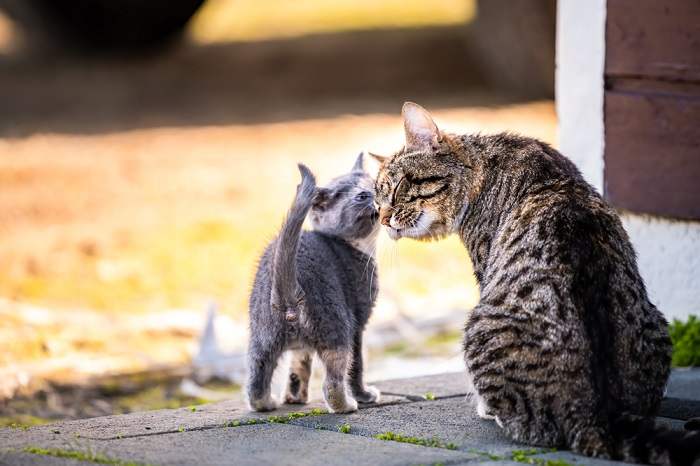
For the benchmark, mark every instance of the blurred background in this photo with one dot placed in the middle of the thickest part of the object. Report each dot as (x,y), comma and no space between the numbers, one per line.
(148,153)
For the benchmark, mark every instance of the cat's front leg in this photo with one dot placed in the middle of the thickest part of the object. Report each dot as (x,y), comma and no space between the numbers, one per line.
(482,409)
(334,390)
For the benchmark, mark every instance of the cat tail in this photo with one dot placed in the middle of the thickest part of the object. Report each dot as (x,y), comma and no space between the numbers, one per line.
(287,296)
(640,439)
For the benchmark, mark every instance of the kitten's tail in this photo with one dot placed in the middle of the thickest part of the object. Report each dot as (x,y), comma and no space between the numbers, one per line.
(641,440)
(287,295)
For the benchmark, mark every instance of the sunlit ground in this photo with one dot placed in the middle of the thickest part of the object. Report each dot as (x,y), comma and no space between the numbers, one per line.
(244,20)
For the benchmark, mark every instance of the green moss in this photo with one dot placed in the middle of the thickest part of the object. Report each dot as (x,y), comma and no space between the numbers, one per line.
(80,456)
(276,419)
(244,422)
(425,442)
(344,428)
(181,429)
(22,421)
(525,456)
(686,342)
(284,419)
(488,455)
(430,396)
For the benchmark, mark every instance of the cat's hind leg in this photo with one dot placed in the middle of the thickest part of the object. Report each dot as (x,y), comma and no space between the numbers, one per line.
(361,392)
(334,389)
(299,373)
(261,365)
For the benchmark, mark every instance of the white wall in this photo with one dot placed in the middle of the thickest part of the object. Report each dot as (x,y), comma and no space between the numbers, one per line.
(668,250)
(580,58)
(668,255)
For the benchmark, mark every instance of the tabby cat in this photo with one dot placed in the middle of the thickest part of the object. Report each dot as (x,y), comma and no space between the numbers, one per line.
(564,348)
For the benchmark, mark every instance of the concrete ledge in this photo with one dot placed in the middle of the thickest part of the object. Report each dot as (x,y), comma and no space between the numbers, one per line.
(441,429)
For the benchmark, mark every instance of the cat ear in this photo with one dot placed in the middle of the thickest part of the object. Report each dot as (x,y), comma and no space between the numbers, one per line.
(359,163)
(379,158)
(421,131)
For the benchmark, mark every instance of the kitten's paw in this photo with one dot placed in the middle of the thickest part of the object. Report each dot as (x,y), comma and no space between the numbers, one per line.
(349,406)
(300,399)
(369,395)
(263,404)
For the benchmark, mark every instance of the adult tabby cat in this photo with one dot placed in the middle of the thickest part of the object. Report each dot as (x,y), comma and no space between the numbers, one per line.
(564,346)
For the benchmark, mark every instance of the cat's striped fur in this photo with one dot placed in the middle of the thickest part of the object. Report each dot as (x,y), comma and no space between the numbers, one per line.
(564,344)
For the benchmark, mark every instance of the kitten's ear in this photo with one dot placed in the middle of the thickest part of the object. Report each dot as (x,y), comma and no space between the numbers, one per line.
(421,131)
(321,198)
(359,163)
(379,158)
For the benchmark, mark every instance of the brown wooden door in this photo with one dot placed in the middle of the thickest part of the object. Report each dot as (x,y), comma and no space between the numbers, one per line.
(652,106)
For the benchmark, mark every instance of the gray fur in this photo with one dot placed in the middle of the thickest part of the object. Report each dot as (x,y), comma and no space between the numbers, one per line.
(314,292)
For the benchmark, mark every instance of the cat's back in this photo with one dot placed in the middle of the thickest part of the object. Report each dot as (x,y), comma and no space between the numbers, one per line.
(563,256)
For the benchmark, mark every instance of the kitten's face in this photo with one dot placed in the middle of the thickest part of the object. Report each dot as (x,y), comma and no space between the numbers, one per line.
(420,191)
(345,207)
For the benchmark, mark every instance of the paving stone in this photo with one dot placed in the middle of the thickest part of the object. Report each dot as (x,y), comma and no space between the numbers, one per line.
(163,421)
(280,444)
(677,408)
(450,384)
(451,420)
(684,383)
(576,459)
(181,436)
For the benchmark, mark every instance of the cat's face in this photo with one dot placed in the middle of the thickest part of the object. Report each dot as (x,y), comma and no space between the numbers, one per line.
(345,207)
(421,191)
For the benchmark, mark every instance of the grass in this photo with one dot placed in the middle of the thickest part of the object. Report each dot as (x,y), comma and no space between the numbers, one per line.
(344,428)
(91,457)
(433,442)
(686,342)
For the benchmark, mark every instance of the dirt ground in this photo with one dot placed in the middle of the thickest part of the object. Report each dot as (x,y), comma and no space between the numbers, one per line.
(139,186)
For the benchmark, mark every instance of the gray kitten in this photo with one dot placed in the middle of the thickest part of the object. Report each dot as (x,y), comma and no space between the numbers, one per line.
(314,292)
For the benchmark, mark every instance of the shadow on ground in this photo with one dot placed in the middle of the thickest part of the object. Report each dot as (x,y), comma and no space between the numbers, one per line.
(314,76)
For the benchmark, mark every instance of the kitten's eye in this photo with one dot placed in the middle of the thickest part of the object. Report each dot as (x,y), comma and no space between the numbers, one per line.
(363,196)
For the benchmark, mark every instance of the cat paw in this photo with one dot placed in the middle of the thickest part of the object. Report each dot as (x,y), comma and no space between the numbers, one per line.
(369,395)
(483,411)
(263,404)
(296,399)
(349,406)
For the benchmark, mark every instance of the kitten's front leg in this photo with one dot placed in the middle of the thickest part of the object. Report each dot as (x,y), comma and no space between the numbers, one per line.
(337,398)
(362,393)
(299,373)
